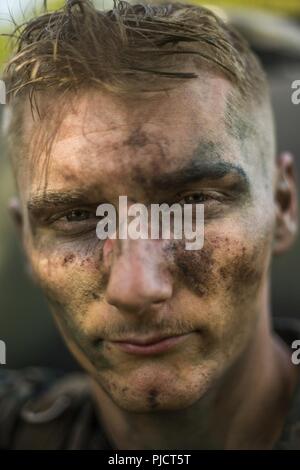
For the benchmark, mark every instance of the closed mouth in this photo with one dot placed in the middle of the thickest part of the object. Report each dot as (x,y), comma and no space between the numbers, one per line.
(150,345)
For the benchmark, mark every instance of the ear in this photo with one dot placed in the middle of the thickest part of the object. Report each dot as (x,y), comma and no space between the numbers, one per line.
(14,208)
(286,204)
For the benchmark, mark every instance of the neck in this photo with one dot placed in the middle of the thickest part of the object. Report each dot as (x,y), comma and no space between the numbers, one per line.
(243,410)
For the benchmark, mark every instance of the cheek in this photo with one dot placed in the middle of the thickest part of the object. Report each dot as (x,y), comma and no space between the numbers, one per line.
(226,279)
(70,275)
(243,267)
(225,265)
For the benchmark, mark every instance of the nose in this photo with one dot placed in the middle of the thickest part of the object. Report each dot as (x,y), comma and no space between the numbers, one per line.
(137,279)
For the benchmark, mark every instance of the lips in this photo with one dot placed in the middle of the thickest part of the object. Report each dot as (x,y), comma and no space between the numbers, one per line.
(149,346)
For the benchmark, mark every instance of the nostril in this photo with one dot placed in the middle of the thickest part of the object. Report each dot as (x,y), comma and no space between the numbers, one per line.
(134,303)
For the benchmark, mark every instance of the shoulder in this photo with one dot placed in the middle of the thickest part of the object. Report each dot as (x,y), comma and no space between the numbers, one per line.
(289,330)
(290,436)
(38,407)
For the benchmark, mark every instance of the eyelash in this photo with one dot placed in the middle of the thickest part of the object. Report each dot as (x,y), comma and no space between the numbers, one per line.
(205,197)
(82,211)
(63,225)
(213,196)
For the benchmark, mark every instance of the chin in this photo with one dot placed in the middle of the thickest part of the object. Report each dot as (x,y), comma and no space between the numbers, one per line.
(149,389)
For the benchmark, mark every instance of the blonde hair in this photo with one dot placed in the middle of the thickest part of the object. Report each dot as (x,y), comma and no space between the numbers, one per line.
(127,50)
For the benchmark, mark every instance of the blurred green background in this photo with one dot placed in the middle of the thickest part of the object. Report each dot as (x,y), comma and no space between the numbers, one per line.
(25,323)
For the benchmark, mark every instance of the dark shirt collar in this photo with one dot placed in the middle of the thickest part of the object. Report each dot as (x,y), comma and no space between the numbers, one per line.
(289,330)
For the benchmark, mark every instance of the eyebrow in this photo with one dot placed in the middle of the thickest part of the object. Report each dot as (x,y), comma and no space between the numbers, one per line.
(197,170)
(205,164)
(48,199)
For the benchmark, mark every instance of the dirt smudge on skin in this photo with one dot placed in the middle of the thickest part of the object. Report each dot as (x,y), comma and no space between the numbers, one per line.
(192,268)
(152,398)
(68,258)
(137,138)
(245,269)
(222,262)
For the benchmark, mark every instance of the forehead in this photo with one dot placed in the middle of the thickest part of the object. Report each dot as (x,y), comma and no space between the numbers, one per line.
(103,138)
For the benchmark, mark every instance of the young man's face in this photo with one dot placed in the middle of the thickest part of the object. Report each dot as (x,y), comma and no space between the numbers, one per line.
(171,149)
